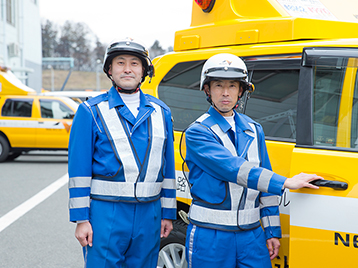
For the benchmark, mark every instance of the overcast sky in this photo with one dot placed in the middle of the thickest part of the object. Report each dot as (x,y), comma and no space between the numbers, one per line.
(146,20)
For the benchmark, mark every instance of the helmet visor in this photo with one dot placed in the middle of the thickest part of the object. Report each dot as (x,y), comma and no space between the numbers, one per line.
(226,72)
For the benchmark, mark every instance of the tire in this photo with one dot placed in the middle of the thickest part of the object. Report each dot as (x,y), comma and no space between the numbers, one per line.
(4,149)
(172,248)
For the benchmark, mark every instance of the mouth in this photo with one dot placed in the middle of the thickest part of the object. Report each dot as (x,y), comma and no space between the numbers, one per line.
(127,77)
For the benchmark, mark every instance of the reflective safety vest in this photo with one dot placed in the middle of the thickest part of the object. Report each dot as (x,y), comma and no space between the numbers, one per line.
(244,212)
(114,156)
(142,181)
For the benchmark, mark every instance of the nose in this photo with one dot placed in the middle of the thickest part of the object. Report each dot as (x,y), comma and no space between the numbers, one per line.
(127,68)
(225,91)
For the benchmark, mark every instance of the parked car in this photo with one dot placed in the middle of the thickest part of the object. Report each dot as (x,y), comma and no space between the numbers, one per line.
(306,98)
(32,122)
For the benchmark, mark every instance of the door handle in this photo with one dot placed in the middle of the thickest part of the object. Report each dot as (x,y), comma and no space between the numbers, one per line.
(336,185)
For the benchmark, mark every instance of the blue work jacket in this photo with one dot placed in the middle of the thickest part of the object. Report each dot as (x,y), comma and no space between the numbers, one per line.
(232,184)
(116,157)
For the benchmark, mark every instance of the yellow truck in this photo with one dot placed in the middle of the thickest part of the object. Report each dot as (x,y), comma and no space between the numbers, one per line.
(29,121)
(302,57)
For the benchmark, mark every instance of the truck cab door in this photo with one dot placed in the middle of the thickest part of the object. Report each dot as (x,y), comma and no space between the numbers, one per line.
(324,222)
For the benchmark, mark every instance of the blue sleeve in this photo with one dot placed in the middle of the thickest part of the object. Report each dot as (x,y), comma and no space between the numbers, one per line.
(205,151)
(80,151)
(270,215)
(168,193)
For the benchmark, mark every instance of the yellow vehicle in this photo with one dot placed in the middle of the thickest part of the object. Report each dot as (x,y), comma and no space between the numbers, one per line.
(31,122)
(302,57)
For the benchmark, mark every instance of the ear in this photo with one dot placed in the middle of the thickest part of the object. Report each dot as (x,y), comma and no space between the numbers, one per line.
(207,89)
(241,91)
(110,69)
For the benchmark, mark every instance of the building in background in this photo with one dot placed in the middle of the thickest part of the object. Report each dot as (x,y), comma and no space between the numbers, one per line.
(20,40)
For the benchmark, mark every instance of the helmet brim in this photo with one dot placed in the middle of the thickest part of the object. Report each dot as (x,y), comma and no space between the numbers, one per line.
(226,75)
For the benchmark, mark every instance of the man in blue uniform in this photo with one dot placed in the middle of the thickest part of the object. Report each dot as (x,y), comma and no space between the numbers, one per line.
(121,166)
(232,185)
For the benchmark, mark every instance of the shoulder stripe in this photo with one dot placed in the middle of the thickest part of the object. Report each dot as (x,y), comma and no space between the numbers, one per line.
(89,107)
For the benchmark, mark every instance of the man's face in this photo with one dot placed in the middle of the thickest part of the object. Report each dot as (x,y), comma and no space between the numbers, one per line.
(126,71)
(224,94)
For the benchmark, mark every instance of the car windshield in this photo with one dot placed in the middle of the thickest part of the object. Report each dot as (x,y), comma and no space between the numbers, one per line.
(70,102)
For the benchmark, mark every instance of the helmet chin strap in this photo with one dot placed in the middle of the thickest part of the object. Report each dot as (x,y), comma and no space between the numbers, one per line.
(121,90)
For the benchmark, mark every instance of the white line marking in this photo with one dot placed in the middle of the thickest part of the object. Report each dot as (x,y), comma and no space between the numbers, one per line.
(25,207)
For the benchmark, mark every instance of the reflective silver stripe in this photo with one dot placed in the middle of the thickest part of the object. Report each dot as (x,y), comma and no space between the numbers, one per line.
(234,217)
(225,139)
(269,201)
(271,221)
(169,184)
(125,189)
(253,157)
(251,197)
(155,161)
(79,202)
(191,246)
(264,180)
(253,151)
(202,118)
(120,141)
(89,107)
(235,194)
(249,216)
(86,253)
(168,202)
(243,173)
(79,182)
(223,217)
(234,189)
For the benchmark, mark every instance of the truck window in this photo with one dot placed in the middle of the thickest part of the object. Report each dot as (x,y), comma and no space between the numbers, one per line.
(179,89)
(354,130)
(17,107)
(327,91)
(55,109)
(273,104)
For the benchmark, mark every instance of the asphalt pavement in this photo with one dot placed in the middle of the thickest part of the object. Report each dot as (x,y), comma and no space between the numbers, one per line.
(34,227)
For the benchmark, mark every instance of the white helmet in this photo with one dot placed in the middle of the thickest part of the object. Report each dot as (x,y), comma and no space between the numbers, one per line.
(224,65)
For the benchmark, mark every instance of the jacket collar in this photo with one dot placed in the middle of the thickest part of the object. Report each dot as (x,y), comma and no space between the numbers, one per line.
(223,123)
(219,119)
(241,123)
(115,100)
(145,107)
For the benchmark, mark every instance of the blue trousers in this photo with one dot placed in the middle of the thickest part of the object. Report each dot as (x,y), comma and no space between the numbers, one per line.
(124,235)
(212,248)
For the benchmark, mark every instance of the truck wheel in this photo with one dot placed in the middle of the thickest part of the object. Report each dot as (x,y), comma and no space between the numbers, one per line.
(172,248)
(4,149)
